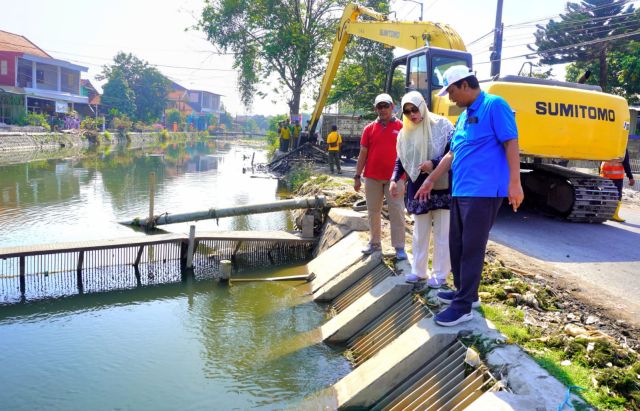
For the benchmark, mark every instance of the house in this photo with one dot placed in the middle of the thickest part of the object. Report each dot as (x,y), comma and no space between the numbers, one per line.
(91,109)
(196,106)
(46,85)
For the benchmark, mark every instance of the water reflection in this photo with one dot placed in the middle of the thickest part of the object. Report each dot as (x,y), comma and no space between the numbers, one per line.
(84,197)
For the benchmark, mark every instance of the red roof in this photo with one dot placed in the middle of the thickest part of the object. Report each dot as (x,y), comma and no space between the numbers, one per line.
(21,44)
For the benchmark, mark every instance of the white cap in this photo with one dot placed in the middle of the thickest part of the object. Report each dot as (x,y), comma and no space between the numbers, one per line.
(383,98)
(453,74)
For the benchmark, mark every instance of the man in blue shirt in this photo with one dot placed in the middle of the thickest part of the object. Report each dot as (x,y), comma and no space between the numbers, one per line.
(485,164)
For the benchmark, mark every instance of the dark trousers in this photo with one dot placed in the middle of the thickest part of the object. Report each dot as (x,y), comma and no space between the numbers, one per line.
(471,220)
(334,160)
(284,145)
(618,182)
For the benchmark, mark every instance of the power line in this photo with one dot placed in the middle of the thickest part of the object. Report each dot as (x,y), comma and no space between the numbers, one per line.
(585,43)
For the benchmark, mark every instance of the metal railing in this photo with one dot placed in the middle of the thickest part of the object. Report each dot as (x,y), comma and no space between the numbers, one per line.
(53,270)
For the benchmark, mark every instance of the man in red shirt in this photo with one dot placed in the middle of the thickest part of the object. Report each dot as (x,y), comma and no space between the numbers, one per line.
(377,158)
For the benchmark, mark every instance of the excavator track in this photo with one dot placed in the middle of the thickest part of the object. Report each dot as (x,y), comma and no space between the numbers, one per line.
(574,196)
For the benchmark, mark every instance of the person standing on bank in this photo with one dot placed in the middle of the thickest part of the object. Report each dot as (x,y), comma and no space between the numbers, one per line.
(485,164)
(615,170)
(377,158)
(334,140)
(422,143)
(285,136)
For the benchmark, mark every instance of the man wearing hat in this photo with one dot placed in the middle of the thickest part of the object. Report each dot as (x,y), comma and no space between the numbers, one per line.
(377,158)
(485,164)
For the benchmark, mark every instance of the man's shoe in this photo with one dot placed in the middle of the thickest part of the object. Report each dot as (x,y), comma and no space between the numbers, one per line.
(401,254)
(371,248)
(435,283)
(446,297)
(413,279)
(450,317)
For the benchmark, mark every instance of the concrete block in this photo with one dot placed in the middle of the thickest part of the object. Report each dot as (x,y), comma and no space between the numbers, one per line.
(337,259)
(356,316)
(307,226)
(347,278)
(331,234)
(504,401)
(354,220)
(365,385)
(526,378)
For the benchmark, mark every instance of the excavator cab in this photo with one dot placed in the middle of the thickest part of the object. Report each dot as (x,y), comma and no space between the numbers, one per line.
(422,70)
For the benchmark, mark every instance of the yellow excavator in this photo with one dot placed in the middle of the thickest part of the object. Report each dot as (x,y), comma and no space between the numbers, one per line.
(557,120)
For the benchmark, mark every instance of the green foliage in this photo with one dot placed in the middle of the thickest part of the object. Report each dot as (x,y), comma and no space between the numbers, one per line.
(298,175)
(623,74)
(139,90)
(289,39)
(363,73)
(164,136)
(174,116)
(11,107)
(34,119)
(107,136)
(118,96)
(123,124)
(587,32)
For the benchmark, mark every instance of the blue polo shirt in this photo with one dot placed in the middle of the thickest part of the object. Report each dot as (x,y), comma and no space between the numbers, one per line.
(480,167)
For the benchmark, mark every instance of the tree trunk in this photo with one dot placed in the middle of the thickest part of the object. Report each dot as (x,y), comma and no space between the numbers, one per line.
(294,103)
(602,58)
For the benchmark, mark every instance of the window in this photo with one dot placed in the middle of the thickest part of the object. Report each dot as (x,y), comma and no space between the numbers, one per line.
(69,81)
(398,77)
(24,73)
(440,65)
(4,68)
(46,76)
(418,73)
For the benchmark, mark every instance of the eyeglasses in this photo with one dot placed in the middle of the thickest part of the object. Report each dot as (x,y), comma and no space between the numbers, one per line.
(408,111)
(383,105)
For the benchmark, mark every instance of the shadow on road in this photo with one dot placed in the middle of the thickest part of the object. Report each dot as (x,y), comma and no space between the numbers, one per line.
(553,240)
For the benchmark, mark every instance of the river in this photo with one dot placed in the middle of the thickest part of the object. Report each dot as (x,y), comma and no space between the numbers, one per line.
(187,345)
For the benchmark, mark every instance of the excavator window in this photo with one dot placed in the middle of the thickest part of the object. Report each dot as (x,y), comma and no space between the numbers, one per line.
(418,79)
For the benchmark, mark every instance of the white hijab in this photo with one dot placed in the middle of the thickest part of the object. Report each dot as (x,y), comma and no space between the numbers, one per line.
(418,143)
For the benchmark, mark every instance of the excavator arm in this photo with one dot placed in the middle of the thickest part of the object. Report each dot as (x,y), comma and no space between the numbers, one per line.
(406,35)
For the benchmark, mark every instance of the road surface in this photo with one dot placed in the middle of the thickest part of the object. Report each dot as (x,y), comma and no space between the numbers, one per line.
(603,259)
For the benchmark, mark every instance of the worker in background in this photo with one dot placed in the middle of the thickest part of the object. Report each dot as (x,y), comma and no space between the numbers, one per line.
(615,171)
(334,141)
(296,133)
(485,163)
(376,159)
(285,136)
(422,143)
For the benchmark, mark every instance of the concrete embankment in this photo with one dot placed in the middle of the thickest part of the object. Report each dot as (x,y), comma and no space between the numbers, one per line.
(409,362)
(25,146)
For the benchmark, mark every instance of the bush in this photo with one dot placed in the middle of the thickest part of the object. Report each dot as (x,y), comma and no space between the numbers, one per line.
(90,130)
(107,136)
(34,119)
(123,124)
(164,136)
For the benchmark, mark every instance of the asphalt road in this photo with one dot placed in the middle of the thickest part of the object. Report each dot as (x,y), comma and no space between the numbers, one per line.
(603,258)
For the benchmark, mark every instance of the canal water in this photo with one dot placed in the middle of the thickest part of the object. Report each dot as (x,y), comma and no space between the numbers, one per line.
(187,345)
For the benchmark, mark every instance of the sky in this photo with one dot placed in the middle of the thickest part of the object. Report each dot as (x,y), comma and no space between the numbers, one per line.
(90,33)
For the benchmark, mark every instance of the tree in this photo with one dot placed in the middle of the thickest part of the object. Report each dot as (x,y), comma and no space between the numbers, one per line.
(288,38)
(149,87)
(118,95)
(623,75)
(587,32)
(363,73)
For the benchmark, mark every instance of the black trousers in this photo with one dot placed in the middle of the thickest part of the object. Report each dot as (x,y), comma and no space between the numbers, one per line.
(618,182)
(471,221)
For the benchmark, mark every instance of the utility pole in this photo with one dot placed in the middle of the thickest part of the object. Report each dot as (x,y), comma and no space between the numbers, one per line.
(496,54)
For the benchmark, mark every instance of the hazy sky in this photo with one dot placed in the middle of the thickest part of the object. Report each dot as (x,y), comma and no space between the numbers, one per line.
(90,33)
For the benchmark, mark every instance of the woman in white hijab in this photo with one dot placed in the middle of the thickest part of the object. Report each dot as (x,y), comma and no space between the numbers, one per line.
(422,143)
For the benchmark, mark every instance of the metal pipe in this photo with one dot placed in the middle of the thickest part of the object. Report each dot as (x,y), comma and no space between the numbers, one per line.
(294,204)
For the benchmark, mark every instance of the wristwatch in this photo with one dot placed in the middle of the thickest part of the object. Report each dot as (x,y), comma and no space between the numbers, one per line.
(356,177)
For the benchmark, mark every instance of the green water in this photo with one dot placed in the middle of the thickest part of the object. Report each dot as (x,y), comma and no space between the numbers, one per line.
(187,345)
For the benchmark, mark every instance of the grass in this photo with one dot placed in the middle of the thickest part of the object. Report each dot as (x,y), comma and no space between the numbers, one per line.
(598,391)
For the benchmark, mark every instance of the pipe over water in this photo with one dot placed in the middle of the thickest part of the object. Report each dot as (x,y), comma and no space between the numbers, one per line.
(212,213)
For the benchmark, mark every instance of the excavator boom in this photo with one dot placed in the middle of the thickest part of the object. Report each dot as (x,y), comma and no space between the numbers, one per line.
(406,35)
